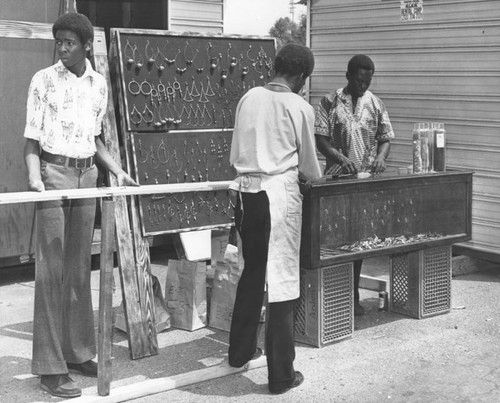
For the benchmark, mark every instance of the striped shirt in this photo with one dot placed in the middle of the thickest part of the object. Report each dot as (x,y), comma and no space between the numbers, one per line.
(355,134)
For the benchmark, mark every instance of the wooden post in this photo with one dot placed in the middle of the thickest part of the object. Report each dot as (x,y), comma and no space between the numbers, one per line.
(105,297)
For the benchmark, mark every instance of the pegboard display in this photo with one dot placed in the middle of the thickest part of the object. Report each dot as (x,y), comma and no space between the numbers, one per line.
(176,82)
(182,157)
(169,213)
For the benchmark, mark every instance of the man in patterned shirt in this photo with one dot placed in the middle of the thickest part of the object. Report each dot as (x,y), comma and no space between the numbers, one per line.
(353,132)
(65,108)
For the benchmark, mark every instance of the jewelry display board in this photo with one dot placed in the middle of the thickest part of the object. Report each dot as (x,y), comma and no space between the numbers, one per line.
(182,157)
(180,81)
(178,96)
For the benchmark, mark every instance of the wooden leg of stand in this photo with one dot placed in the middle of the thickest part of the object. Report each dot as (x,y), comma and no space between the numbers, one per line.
(105,298)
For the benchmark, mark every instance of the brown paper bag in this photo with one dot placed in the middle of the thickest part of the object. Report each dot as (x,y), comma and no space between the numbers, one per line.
(186,294)
(226,277)
(162,318)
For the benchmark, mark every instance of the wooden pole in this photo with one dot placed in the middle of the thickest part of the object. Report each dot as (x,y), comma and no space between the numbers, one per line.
(104,369)
(90,193)
(159,385)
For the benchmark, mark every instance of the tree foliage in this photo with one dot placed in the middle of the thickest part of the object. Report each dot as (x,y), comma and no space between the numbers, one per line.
(287,31)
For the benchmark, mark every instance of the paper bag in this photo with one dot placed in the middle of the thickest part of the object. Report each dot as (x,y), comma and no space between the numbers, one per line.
(186,294)
(226,277)
(162,318)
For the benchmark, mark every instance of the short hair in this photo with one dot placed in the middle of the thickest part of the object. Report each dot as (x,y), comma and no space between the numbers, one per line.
(360,62)
(294,59)
(77,23)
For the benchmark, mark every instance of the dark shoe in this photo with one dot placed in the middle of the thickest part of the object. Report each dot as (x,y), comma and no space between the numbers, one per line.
(299,378)
(87,368)
(60,385)
(358,309)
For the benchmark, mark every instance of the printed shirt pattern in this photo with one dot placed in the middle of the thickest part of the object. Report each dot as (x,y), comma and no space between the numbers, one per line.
(355,134)
(64,112)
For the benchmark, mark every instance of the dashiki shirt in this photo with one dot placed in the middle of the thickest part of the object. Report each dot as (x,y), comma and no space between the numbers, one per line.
(355,134)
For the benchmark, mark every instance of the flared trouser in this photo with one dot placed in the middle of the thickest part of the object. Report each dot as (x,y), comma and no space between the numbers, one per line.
(63,326)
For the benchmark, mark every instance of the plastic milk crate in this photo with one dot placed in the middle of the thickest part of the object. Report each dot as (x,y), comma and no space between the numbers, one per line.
(421,282)
(324,311)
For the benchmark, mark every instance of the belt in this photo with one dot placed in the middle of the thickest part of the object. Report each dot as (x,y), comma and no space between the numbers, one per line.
(79,163)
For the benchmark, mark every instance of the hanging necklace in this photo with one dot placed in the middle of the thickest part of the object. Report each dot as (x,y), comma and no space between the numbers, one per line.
(272,83)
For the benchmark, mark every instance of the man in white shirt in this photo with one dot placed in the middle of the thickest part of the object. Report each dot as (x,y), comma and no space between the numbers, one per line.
(272,147)
(66,104)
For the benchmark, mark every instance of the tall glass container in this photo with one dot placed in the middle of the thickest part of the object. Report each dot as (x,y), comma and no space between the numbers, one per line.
(417,148)
(439,146)
(427,147)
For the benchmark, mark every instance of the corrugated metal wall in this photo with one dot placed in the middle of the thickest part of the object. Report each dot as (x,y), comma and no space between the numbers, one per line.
(443,68)
(196,15)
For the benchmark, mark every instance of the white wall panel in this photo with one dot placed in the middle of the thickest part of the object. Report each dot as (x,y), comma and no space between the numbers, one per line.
(196,15)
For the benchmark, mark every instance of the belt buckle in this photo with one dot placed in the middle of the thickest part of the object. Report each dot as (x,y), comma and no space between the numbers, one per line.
(77,163)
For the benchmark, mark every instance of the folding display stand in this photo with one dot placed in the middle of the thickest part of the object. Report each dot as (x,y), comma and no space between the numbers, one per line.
(177,95)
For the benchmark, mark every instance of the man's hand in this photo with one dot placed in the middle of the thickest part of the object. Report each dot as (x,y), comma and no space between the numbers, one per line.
(348,166)
(378,165)
(124,179)
(36,185)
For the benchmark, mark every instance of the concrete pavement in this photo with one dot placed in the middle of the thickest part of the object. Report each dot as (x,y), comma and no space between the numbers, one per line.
(390,358)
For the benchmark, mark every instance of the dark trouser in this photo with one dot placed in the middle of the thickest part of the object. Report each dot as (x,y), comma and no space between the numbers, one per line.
(63,326)
(357,274)
(254,225)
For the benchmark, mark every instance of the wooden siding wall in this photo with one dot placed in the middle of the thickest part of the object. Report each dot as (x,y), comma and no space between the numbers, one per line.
(19,60)
(196,15)
(443,68)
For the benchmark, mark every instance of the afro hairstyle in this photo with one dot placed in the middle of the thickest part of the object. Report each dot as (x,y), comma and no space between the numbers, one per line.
(294,59)
(360,62)
(77,23)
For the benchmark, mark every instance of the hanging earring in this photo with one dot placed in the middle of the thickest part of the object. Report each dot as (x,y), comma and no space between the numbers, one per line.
(149,53)
(189,61)
(159,58)
(129,53)
(231,59)
(212,60)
